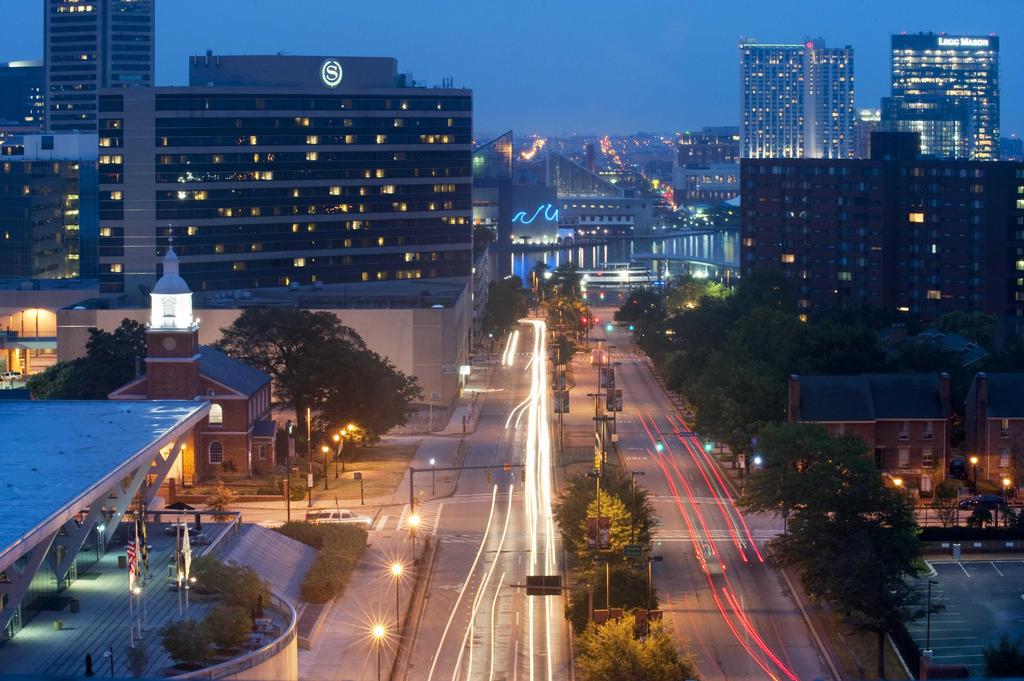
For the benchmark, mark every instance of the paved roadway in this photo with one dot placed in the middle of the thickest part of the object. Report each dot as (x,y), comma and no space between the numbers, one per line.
(491,534)
(740,624)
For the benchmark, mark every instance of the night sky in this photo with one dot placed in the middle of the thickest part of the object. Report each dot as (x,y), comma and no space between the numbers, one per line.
(560,66)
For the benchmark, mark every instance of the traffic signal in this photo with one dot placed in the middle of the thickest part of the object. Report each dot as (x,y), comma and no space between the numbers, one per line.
(506,467)
(708,446)
(490,477)
(660,447)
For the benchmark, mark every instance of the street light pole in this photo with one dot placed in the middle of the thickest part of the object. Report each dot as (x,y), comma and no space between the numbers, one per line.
(632,520)
(650,578)
(928,619)
(974,467)
(326,449)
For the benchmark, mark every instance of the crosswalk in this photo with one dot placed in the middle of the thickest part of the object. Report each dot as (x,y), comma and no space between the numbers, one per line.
(717,535)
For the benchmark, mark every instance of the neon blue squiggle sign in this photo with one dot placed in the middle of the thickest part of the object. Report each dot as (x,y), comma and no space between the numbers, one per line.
(550,214)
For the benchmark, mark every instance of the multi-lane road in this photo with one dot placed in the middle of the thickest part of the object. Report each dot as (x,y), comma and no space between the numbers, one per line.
(738,621)
(718,592)
(477,623)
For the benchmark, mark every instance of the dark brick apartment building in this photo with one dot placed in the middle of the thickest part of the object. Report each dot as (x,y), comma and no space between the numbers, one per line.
(897,231)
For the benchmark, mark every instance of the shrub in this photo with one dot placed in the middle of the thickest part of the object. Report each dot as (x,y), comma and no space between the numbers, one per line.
(186,643)
(1006,659)
(227,626)
(340,548)
(137,660)
(221,501)
(239,584)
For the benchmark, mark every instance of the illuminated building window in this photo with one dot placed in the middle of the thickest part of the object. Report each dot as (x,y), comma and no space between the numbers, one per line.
(237,266)
(399,122)
(366,276)
(381,139)
(347,243)
(379,173)
(380,241)
(845,276)
(312,156)
(312,139)
(916,217)
(387,189)
(199,195)
(218,248)
(216,415)
(788,257)
(934,295)
(335,191)
(115,196)
(299,262)
(252,140)
(106,231)
(192,230)
(302,122)
(350,139)
(116,267)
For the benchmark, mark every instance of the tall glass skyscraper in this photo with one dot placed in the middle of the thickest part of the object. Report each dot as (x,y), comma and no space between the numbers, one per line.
(92,44)
(946,88)
(797,100)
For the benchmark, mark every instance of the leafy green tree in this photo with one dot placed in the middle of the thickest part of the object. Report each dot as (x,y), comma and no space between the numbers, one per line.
(227,626)
(319,363)
(221,501)
(506,305)
(575,501)
(612,652)
(689,293)
(186,643)
(1005,659)
(109,363)
(974,326)
(628,587)
(944,501)
(641,304)
(619,517)
(852,540)
(482,238)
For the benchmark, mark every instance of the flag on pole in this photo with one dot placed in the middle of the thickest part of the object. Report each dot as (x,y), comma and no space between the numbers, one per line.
(140,532)
(139,551)
(186,550)
(131,565)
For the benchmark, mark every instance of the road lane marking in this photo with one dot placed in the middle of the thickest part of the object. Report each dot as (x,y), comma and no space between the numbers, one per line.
(995,568)
(964,569)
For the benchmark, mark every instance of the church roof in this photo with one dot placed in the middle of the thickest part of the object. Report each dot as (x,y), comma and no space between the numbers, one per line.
(227,370)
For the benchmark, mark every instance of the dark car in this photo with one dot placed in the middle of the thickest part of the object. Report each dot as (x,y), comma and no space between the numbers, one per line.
(986,501)
(958,469)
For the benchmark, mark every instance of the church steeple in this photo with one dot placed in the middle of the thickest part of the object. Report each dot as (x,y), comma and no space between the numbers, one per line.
(171,299)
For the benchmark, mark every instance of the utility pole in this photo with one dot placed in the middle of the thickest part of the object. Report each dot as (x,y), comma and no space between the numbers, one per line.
(290,427)
(309,455)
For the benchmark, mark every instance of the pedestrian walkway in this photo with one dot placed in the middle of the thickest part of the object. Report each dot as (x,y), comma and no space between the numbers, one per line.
(345,649)
(282,561)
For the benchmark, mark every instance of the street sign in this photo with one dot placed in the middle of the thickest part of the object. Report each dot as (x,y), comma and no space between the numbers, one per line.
(435,397)
(743,460)
(309,480)
(562,402)
(614,401)
(447,368)
(465,369)
(559,382)
(632,550)
(606,378)
(543,585)
(357,476)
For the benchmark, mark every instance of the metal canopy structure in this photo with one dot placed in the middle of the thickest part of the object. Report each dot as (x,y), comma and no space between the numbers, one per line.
(69,468)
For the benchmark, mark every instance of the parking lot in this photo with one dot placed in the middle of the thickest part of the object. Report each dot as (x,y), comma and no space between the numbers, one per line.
(981,600)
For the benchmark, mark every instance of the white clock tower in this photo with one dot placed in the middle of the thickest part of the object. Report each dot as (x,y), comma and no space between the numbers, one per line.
(172,340)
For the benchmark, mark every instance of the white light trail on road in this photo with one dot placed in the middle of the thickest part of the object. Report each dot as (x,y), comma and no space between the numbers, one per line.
(479,597)
(462,591)
(494,608)
(539,488)
(511,349)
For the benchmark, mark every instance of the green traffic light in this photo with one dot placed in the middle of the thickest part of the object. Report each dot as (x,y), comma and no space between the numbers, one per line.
(708,446)
(660,447)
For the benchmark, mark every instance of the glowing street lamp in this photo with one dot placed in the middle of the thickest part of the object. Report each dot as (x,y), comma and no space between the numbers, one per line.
(396,572)
(974,465)
(414,524)
(379,632)
(1006,487)
(898,482)
(326,449)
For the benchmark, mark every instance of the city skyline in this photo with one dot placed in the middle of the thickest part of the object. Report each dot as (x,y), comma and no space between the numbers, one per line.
(665,86)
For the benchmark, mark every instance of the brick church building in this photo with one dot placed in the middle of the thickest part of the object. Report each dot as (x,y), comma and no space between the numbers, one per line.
(237,438)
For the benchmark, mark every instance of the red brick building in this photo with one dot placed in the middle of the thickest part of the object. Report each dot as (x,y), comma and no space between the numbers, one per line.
(994,426)
(903,418)
(238,435)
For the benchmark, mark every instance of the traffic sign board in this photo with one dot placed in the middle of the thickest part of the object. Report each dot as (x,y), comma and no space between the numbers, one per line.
(632,550)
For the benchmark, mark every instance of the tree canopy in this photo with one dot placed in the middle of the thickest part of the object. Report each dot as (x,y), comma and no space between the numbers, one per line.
(109,363)
(506,305)
(852,540)
(612,652)
(319,363)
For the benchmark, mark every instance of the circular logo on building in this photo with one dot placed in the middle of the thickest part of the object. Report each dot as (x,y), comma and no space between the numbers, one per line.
(331,73)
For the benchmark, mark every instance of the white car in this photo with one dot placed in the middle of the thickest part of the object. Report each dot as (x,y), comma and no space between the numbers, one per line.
(336,516)
(10,376)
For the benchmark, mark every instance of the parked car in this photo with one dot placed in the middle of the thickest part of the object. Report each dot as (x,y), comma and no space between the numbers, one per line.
(336,516)
(10,376)
(986,501)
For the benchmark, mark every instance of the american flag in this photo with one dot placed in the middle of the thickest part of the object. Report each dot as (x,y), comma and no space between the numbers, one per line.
(132,560)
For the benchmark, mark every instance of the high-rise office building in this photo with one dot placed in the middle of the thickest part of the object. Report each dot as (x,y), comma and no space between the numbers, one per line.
(796,100)
(947,89)
(89,45)
(48,220)
(282,170)
(21,94)
(868,122)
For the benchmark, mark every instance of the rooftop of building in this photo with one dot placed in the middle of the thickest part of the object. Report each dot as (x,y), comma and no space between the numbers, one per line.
(870,397)
(1005,395)
(55,452)
(393,295)
(229,371)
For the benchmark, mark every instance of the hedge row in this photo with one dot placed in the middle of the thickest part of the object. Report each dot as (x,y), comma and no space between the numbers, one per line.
(340,548)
